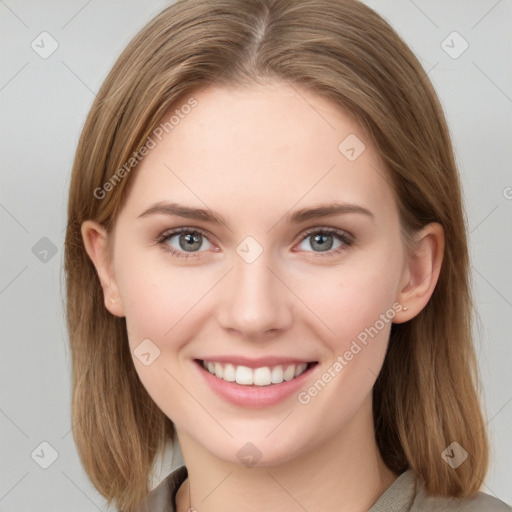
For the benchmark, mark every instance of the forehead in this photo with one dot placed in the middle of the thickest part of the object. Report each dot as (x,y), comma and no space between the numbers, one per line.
(264,147)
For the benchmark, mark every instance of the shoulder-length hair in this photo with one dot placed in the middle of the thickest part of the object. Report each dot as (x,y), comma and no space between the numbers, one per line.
(426,395)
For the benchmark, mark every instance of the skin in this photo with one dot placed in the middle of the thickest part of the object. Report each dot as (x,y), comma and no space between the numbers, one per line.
(253,155)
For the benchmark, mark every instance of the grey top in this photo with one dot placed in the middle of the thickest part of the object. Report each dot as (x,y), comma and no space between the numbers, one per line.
(406,494)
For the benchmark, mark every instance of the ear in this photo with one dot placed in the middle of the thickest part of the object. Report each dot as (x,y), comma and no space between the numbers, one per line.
(421,272)
(96,239)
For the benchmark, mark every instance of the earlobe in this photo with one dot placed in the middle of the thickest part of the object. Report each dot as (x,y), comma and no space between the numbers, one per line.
(95,238)
(421,272)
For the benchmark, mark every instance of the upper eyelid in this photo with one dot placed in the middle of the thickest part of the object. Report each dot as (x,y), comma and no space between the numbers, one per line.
(170,233)
(326,229)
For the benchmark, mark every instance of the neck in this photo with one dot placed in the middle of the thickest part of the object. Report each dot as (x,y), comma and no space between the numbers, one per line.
(344,472)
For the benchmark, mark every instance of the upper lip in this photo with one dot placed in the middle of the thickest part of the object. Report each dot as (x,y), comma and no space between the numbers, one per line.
(256,362)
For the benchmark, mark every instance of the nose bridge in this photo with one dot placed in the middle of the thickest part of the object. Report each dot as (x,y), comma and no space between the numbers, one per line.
(257,301)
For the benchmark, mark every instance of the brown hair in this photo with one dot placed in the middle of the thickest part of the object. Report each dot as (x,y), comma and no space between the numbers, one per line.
(426,395)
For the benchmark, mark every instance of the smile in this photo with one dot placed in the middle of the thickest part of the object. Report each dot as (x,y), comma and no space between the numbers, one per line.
(262,376)
(252,385)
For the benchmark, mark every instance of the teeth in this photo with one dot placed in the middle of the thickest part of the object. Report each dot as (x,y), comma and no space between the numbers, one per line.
(289,373)
(229,373)
(244,375)
(277,374)
(264,376)
(218,370)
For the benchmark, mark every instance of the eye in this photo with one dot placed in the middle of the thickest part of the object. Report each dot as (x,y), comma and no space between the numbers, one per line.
(182,241)
(187,242)
(326,240)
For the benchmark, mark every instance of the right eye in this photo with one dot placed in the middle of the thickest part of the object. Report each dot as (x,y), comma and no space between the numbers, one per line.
(183,242)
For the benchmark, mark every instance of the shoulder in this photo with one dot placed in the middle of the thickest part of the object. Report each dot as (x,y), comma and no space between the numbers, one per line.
(162,497)
(407,494)
(481,502)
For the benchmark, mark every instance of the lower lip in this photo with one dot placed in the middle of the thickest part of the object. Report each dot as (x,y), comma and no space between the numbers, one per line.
(254,396)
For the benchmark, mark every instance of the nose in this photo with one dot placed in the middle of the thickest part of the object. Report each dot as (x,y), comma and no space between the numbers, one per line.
(253,300)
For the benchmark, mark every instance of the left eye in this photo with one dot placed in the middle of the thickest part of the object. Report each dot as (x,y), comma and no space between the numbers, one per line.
(323,240)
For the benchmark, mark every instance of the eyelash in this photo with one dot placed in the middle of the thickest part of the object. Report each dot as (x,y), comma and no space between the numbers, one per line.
(344,237)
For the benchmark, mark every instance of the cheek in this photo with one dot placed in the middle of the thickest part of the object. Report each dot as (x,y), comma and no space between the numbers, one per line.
(160,300)
(354,298)
(162,305)
(356,303)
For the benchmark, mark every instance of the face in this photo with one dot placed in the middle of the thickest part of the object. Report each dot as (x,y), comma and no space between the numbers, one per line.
(275,280)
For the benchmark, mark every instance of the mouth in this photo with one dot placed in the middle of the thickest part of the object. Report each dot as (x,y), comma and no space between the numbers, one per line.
(255,377)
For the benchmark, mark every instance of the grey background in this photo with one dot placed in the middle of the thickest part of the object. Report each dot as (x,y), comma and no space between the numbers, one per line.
(44,103)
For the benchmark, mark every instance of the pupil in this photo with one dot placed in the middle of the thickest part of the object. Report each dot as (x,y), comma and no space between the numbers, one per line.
(191,241)
(321,241)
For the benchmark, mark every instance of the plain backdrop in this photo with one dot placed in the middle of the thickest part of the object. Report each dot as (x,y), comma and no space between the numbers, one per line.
(44,102)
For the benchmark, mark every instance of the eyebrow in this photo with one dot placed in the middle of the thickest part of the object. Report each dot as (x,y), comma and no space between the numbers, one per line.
(296,217)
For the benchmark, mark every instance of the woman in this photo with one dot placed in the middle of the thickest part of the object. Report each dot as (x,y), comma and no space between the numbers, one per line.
(266,255)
